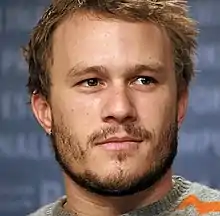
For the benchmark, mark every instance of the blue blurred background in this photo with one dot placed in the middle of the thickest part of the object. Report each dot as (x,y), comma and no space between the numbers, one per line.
(29,175)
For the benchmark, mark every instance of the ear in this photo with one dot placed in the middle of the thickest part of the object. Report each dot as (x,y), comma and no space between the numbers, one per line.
(42,111)
(182,106)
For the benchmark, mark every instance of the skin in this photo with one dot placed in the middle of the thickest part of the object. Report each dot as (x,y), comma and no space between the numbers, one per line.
(82,112)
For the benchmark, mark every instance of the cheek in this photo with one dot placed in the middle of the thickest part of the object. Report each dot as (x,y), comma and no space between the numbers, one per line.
(84,107)
(70,103)
(81,114)
(156,110)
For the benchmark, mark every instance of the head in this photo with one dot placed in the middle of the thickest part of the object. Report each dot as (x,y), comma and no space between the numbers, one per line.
(110,80)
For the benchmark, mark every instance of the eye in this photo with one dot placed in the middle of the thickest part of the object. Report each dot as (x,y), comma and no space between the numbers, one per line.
(144,80)
(90,82)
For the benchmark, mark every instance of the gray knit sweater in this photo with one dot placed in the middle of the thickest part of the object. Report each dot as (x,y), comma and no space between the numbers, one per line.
(185,198)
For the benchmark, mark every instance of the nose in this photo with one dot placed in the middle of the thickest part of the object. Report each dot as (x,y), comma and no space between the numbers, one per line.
(119,107)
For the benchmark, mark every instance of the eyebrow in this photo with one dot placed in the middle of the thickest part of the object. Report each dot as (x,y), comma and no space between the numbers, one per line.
(80,70)
(154,67)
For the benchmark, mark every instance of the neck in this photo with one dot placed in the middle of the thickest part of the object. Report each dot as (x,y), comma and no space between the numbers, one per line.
(85,203)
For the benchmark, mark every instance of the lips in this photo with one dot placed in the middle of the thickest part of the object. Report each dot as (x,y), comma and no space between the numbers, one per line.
(120,143)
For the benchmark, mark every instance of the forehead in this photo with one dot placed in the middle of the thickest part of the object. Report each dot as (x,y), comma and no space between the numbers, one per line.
(103,41)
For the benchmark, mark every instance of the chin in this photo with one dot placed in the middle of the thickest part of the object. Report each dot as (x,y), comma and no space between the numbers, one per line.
(119,171)
(116,178)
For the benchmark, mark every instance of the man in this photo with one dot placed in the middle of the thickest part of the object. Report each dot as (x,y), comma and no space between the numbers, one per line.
(109,83)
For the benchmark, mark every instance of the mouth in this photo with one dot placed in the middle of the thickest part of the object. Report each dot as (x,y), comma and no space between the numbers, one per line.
(119,144)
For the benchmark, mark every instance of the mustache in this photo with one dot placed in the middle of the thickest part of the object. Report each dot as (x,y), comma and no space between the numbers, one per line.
(131,130)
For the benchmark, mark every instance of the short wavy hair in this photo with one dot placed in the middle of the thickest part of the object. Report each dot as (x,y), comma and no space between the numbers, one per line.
(169,14)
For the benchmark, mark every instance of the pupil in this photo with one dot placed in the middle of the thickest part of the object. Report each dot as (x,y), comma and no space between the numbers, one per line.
(92,82)
(144,80)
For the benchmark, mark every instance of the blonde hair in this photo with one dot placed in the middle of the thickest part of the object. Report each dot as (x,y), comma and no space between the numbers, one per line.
(170,14)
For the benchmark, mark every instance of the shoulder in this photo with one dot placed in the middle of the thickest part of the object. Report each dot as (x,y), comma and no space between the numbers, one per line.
(202,198)
(47,210)
(205,193)
(200,191)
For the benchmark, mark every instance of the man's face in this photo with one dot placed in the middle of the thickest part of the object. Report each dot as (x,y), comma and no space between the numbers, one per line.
(115,112)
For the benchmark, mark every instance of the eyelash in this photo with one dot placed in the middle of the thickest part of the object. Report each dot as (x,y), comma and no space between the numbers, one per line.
(86,80)
(151,79)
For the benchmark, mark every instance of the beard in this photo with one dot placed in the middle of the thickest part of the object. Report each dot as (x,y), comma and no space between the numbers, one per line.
(68,150)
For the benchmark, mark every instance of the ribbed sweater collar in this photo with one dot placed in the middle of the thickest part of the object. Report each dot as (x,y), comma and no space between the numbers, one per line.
(165,205)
